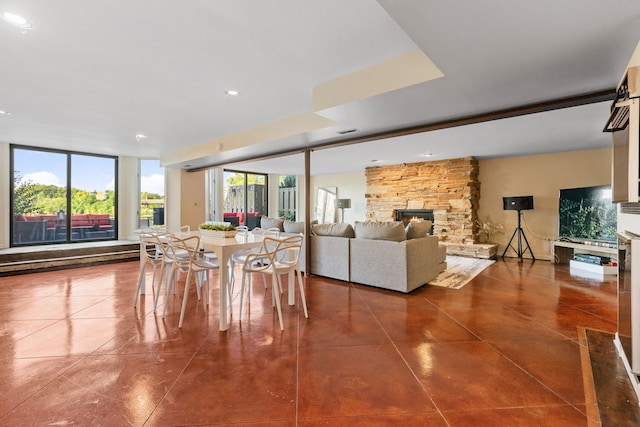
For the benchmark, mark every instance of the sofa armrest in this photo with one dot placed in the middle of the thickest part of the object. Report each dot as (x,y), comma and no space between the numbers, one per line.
(400,266)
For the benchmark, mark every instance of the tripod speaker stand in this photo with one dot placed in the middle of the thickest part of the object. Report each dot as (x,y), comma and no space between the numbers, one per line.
(518,204)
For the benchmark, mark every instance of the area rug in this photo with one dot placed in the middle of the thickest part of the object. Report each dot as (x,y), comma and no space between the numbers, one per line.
(460,270)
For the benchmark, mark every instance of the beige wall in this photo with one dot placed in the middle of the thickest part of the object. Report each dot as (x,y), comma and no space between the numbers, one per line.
(350,186)
(541,176)
(192,200)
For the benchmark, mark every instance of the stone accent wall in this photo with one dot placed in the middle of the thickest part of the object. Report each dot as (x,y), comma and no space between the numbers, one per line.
(449,187)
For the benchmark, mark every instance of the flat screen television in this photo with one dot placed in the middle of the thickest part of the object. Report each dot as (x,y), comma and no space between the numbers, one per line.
(587,213)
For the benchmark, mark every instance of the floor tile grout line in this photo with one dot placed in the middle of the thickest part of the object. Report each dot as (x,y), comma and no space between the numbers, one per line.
(522,368)
(488,343)
(404,360)
(55,378)
(166,393)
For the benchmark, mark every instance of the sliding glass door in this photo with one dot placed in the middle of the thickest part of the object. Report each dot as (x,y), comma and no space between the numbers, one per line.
(245,198)
(62,197)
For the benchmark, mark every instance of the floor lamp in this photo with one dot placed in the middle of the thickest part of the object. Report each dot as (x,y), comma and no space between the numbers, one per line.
(343,204)
(518,204)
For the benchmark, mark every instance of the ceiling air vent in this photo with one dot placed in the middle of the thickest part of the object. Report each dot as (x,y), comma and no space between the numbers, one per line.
(344,132)
(619,118)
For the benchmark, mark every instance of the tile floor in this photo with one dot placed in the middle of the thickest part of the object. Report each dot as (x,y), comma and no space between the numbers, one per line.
(503,350)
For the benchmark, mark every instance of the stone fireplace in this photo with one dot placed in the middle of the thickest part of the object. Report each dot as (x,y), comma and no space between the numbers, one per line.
(448,188)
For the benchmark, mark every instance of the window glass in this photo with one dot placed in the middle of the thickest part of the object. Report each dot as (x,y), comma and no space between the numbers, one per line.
(151,193)
(245,198)
(287,197)
(46,209)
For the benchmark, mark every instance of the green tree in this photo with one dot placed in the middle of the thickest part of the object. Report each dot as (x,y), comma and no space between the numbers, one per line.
(288,181)
(24,195)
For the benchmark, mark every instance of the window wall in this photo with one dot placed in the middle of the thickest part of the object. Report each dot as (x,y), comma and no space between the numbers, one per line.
(61,197)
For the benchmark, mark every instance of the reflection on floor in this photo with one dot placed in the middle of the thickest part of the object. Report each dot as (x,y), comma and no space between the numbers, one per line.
(503,350)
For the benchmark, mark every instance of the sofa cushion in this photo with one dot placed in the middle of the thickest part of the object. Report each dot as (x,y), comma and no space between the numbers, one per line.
(418,229)
(338,229)
(268,222)
(372,230)
(293,226)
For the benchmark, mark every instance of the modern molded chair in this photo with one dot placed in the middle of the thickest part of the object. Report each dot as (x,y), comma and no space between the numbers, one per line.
(151,253)
(283,257)
(239,257)
(194,263)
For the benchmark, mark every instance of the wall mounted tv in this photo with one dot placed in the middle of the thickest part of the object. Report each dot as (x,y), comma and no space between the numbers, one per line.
(587,213)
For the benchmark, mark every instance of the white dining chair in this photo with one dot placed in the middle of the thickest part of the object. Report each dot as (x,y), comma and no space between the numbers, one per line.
(239,258)
(194,264)
(151,253)
(283,257)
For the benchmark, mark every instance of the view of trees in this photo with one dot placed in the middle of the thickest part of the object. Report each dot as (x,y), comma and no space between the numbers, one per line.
(146,209)
(287,197)
(40,199)
(287,181)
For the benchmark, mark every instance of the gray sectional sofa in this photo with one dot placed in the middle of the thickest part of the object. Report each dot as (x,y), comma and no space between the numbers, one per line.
(381,254)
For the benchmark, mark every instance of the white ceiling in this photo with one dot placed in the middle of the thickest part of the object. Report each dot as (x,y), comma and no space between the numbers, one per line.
(92,75)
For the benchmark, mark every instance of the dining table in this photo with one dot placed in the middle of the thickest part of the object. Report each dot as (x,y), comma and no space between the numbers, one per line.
(223,248)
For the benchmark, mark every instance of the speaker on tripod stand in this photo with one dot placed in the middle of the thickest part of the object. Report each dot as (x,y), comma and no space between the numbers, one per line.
(523,203)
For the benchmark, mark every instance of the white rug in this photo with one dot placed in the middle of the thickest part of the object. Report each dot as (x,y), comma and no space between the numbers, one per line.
(460,270)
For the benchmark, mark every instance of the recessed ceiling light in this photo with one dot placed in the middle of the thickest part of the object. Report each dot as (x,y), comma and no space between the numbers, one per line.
(140,137)
(376,161)
(4,113)
(231,92)
(18,21)
(427,155)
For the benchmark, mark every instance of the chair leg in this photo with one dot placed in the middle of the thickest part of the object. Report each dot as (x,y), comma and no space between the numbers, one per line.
(171,284)
(302,296)
(205,277)
(162,272)
(198,277)
(276,297)
(232,274)
(184,299)
(246,279)
(230,298)
(141,281)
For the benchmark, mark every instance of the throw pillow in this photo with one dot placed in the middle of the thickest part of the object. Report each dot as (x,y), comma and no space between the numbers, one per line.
(268,222)
(339,230)
(293,226)
(418,229)
(380,230)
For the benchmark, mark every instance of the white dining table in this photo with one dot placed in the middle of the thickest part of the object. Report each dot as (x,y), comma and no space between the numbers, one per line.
(223,248)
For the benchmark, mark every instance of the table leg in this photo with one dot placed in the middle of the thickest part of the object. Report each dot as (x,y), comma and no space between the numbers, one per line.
(223,259)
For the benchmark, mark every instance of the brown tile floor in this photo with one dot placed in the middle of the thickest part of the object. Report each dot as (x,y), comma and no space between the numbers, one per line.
(503,350)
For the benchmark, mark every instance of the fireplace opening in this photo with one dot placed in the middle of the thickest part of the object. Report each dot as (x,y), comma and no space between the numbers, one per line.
(408,215)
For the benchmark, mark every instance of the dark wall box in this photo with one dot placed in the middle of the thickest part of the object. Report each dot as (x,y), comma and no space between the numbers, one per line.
(522,203)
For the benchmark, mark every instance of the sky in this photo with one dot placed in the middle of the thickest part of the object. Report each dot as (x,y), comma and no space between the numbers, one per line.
(88,172)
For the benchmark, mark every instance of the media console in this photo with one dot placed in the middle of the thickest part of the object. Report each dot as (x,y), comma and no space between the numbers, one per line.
(564,252)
